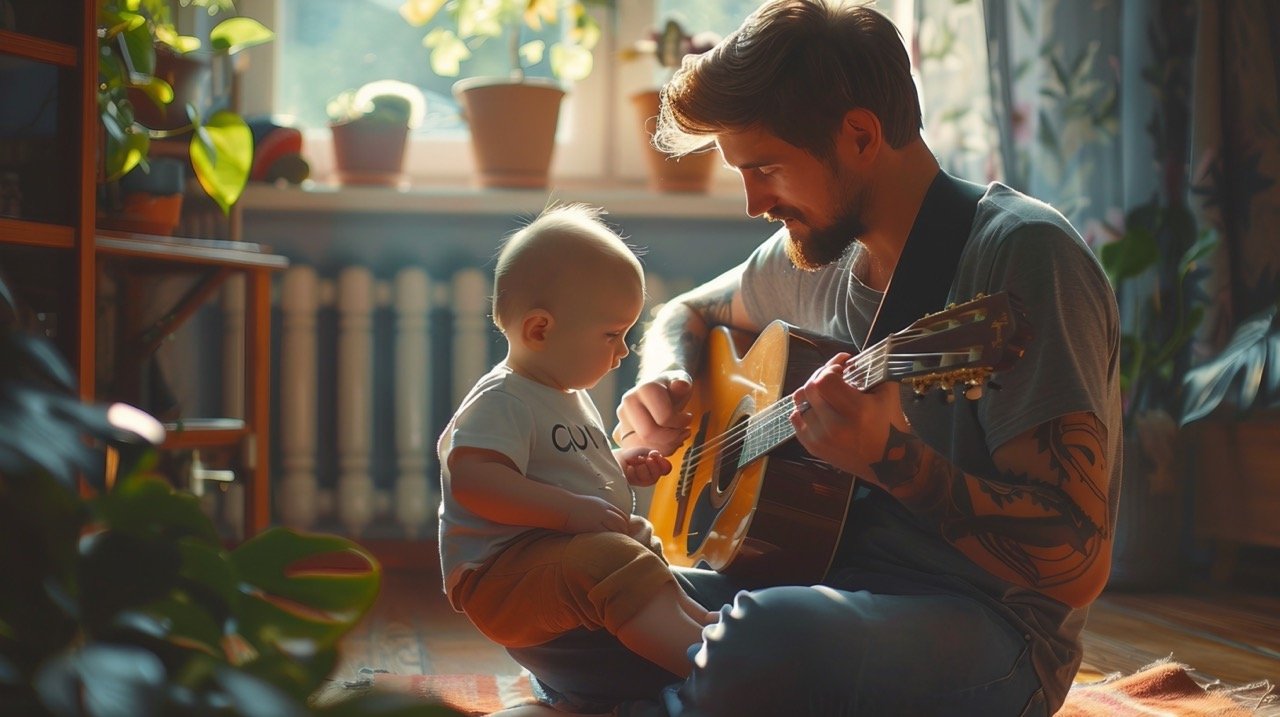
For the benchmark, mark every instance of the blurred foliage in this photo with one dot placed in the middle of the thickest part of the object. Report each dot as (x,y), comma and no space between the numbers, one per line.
(122,601)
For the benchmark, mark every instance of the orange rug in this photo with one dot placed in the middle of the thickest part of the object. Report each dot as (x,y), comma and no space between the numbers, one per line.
(469,694)
(1164,688)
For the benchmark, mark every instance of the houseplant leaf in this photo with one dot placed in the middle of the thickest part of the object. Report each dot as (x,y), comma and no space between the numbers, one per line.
(447,52)
(248,695)
(1130,255)
(46,431)
(297,675)
(238,33)
(1236,375)
(420,12)
(222,154)
(285,600)
(149,507)
(137,47)
(103,679)
(571,62)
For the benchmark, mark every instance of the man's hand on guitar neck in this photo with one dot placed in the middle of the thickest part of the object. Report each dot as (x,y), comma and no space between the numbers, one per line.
(1041,523)
(843,425)
(652,413)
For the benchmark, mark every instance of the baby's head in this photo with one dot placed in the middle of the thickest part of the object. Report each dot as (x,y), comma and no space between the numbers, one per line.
(566,291)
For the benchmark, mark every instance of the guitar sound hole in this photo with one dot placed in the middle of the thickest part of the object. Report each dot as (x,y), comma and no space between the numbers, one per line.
(727,461)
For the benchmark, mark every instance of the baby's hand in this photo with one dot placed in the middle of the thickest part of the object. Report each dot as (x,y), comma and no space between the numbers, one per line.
(590,514)
(643,466)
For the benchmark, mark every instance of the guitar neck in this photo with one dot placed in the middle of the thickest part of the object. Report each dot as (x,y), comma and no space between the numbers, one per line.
(771,427)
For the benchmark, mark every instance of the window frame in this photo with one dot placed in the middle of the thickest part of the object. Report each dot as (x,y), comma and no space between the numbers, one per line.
(598,137)
(599,141)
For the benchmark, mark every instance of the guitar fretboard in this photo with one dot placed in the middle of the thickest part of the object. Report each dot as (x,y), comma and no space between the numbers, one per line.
(772,427)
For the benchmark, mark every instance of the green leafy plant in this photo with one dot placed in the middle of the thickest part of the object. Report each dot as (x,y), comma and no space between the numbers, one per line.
(472,22)
(1244,377)
(1159,256)
(129,33)
(121,601)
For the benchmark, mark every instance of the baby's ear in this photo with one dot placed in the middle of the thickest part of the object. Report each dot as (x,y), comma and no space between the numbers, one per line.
(535,328)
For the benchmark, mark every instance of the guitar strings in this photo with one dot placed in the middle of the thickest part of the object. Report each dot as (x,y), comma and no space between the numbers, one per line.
(861,364)
(859,370)
(772,413)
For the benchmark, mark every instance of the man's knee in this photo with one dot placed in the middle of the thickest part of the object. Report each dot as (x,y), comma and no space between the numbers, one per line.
(776,641)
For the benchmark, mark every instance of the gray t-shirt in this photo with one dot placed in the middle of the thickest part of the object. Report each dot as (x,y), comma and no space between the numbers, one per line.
(551,436)
(1026,247)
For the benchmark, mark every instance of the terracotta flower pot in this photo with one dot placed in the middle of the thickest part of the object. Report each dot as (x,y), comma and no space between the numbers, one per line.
(690,173)
(513,129)
(145,201)
(144,213)
(369,151)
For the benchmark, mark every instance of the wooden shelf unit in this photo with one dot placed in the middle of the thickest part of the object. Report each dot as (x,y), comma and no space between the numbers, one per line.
(52,254)
(68,237)
(210,263)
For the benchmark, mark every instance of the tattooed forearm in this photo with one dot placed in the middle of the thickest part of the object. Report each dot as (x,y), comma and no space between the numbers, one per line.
(674,340)
(1042,522)
(715,308)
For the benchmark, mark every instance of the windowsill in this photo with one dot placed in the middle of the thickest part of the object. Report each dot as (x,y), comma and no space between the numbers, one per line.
(618,199)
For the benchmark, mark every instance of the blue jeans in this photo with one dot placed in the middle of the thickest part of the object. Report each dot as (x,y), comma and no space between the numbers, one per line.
(795,650)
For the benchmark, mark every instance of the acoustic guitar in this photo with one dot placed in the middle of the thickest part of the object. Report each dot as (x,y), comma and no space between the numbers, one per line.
(743,497)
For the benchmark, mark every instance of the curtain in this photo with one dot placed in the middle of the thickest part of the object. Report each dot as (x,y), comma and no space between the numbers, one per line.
(1235,155)
(1152,124)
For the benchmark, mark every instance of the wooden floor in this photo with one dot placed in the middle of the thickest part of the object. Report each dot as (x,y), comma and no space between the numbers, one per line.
(1227,633)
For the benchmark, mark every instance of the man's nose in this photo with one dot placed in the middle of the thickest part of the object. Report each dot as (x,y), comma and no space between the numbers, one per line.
(759,199)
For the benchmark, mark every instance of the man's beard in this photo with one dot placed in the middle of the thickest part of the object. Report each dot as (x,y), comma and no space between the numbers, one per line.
(827,244)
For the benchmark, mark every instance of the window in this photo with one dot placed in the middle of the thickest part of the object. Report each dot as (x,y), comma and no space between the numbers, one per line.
(326,46)
(376,44)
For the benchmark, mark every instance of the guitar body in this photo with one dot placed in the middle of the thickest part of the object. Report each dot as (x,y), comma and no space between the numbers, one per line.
(776,519)
(743,496)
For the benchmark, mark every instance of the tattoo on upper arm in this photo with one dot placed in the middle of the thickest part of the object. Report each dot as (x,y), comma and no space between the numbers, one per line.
(716,308)
(675,341)
(1045,523)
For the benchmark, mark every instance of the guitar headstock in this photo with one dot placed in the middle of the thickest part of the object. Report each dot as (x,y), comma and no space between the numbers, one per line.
(961,345)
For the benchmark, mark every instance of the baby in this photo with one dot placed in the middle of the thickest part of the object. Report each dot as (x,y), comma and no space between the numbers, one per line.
(536,532)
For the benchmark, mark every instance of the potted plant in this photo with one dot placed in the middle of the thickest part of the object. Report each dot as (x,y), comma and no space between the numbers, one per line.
(690,173)
(153,85)
(119,599)
(1229,413)
(1155,265)
(512,119)
(370,127)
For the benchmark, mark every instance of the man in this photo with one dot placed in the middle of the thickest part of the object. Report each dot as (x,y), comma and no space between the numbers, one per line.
(982,529)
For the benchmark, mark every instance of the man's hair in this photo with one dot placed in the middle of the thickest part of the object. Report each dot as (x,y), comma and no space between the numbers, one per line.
(537,258)
(794,68)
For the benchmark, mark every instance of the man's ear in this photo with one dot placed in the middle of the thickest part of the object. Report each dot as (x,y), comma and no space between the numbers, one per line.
(862,128)
(535,327)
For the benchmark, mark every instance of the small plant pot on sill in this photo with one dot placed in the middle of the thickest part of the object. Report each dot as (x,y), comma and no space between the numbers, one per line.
(369,151)
(145,202)
(513,129)
(691,173)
